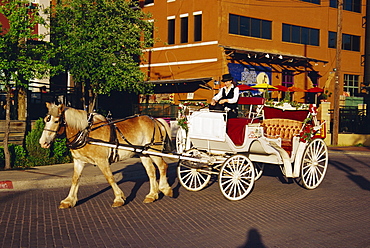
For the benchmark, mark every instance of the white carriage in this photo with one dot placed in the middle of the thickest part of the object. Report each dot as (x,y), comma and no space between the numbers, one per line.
(236,150)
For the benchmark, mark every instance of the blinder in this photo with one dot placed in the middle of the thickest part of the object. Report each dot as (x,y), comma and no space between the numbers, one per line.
(61,127)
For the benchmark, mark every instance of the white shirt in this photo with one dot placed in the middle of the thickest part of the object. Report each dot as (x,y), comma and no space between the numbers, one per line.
(232,100)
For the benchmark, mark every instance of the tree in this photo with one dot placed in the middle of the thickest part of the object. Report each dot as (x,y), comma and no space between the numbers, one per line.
(100,43)
(22,56)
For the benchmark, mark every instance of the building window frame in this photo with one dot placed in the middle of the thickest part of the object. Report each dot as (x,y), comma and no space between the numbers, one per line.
(349,42)
(300,35)
(312,1)
(148,2)
(350,5)
(251,27)
(351,84)
(171,30)
(184,28)
(287,78)
(198,26)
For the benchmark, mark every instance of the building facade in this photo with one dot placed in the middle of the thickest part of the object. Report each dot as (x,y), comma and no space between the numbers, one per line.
(286,42)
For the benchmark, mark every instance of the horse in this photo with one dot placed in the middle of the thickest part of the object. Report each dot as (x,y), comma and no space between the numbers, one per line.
(81,128)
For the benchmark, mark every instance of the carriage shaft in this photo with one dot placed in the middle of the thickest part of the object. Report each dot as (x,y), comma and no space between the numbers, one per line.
(146,152)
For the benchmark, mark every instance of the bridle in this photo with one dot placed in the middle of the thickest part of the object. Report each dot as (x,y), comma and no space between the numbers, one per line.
(61,123)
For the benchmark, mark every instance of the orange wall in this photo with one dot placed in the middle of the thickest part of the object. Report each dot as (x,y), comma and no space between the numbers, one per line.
(215,16)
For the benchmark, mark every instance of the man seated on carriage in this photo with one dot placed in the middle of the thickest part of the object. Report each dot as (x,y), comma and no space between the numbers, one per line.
(227,98)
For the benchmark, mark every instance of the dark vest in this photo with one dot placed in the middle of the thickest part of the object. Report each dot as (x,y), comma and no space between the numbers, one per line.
(230,95)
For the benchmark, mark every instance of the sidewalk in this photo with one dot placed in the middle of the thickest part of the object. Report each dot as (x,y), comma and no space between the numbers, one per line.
(60,175)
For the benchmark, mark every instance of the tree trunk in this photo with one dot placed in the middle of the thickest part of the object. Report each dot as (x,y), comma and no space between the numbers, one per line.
(7,128)
(92,101)
(22,104)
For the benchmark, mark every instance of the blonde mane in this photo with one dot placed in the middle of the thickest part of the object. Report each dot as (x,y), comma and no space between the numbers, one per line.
(76,119)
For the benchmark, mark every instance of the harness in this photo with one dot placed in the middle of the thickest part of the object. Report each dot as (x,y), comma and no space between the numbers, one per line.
(82,138)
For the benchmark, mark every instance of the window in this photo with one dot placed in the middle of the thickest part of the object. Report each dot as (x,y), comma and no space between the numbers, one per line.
(198,27)
(184,20)
(311,1)
(248,26)
(351,85)
(171,31)
(349,42)
(300,35)
(332,39)
(350,5)
(287,78)
(314,77)
(146,2)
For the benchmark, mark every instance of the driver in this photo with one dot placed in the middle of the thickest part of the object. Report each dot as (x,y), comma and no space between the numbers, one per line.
(227,97)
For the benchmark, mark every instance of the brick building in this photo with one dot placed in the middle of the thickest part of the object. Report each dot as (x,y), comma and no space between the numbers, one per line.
(288,42)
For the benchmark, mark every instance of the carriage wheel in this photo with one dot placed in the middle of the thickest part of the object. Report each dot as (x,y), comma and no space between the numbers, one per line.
(180,140)
(191,175)
(258,170)
(236,178)
(314,164)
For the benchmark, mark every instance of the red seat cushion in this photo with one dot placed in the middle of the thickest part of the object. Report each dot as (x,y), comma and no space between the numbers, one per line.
(236,129)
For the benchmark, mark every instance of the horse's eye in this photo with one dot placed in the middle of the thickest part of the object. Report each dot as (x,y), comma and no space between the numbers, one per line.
(48,118)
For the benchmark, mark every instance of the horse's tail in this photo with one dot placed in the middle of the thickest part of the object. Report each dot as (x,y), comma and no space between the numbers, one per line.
(168,145)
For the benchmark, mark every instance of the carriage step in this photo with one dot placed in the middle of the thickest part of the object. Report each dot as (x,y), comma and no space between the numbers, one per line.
(194,165)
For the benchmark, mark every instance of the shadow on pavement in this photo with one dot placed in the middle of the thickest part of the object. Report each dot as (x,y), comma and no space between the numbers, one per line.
(253,240)
(361,181)
(136,173)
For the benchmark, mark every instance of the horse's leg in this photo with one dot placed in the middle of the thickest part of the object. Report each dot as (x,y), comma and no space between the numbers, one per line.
(164,187)
(119,199)
(71,199)
(150,170)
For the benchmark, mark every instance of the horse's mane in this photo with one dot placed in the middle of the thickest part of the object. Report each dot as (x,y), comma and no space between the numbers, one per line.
(75,118)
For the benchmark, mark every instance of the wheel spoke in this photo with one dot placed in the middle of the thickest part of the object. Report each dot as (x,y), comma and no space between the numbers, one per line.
(236,177)
(314,164)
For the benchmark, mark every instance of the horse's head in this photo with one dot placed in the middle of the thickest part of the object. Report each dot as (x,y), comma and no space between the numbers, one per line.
(53,124)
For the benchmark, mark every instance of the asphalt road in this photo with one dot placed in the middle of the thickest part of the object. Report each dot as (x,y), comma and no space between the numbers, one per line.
(277,213)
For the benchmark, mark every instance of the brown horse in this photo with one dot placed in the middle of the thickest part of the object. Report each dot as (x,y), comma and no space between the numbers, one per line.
(80,128)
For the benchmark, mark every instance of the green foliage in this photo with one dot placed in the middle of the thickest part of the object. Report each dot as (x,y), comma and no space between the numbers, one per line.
(58,153)
(18,157)
(37,155)
(100,43)
(34,154)
(21,58)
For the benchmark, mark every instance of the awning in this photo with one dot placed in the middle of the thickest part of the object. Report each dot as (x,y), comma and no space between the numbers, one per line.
(180,85)
(277,62)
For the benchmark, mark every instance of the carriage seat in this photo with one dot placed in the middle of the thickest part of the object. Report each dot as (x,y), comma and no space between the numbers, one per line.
(235,129)
(285,129)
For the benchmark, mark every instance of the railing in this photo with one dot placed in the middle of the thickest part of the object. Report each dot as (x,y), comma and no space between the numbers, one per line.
(17,131)
(352,120)
(156,109)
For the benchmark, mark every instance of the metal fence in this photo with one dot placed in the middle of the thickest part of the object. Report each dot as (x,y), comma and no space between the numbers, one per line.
(156,109)
(353,120)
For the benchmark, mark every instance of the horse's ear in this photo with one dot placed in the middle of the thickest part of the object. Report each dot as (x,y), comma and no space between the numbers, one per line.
(48,104)
(61,108)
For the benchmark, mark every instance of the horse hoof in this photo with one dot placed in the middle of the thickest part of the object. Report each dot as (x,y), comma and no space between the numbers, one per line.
(117,204)
(64,205)
(168,192)
(149,200)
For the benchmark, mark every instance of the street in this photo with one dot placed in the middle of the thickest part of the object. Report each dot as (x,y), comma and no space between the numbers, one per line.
(277,213)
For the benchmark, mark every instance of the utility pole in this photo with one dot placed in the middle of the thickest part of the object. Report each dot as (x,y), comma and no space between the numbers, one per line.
(367,61)
(338,86)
